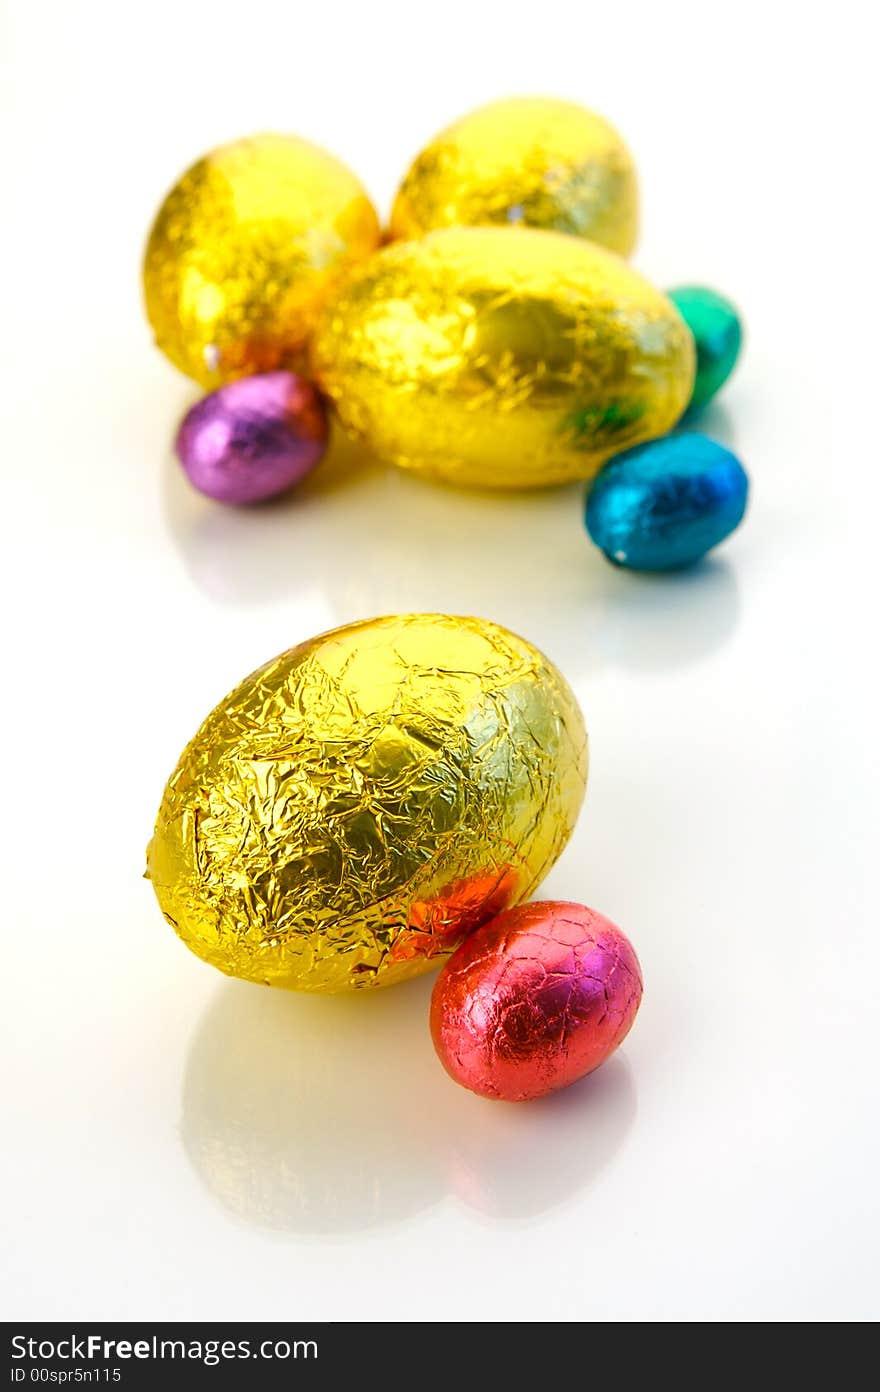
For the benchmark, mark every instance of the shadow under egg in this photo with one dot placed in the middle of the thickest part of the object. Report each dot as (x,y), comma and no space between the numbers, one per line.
(714,419)
(262,552)
(329,1115)
(361,538)
(647,622)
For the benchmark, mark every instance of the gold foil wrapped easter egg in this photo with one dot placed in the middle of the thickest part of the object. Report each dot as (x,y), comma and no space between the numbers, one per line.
(245,250)
(356,807)
(548,164)
(502,357)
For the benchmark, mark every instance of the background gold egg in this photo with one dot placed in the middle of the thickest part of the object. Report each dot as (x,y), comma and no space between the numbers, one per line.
(529,160)
(502,357)
(244,251)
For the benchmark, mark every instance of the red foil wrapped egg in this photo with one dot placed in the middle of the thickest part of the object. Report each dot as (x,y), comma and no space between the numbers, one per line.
(535,999)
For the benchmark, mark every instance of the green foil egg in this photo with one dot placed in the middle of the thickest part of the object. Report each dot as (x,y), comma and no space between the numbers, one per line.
(717,329)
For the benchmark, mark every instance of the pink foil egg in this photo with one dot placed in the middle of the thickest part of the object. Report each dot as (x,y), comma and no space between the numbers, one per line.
(535,999)
(253,438)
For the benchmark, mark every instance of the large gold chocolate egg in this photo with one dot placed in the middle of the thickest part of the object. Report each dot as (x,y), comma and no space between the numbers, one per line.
(548,164)
(502,357)
(245,250)
(356,807)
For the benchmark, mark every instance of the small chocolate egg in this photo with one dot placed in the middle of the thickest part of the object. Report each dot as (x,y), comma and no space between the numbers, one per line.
(529,160)
(244,251)
(253,438)
(502,357)
(663,505)
(357,806)
(717,329)
(534,1000)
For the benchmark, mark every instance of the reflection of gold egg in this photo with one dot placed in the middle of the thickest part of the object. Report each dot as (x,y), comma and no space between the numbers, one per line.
(245,250)
(356,807)
(331,1114)
(502,357)
(548,164)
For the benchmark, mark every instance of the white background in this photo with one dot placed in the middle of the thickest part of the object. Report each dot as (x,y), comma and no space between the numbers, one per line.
(178,1145)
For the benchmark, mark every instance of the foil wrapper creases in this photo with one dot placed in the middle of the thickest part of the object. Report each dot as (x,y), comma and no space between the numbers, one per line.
(535,1000)
(355,808)
(245,250)
(532,161)
(502,357)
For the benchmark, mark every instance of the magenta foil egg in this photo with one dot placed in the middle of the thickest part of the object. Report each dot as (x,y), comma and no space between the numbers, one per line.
(253,438)
(535,999)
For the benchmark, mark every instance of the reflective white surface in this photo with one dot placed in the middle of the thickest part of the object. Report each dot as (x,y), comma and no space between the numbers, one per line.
(178,1145)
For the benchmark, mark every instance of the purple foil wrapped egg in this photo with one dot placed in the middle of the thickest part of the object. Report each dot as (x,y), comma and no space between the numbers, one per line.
(253,438)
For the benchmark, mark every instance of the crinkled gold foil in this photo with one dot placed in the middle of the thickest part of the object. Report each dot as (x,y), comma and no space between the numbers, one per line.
(529,160)
(357,806)
(244,251)
(502,357)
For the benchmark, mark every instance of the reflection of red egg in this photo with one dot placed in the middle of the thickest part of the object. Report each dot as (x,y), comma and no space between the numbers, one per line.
(534,1000)
(328,1114)
(437,924)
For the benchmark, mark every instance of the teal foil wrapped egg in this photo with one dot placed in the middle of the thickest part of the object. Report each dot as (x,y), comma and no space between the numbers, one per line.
(664,504)
(717,330)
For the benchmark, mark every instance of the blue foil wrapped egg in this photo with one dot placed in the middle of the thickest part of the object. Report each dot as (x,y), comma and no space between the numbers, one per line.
(664,504)
(717,330)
